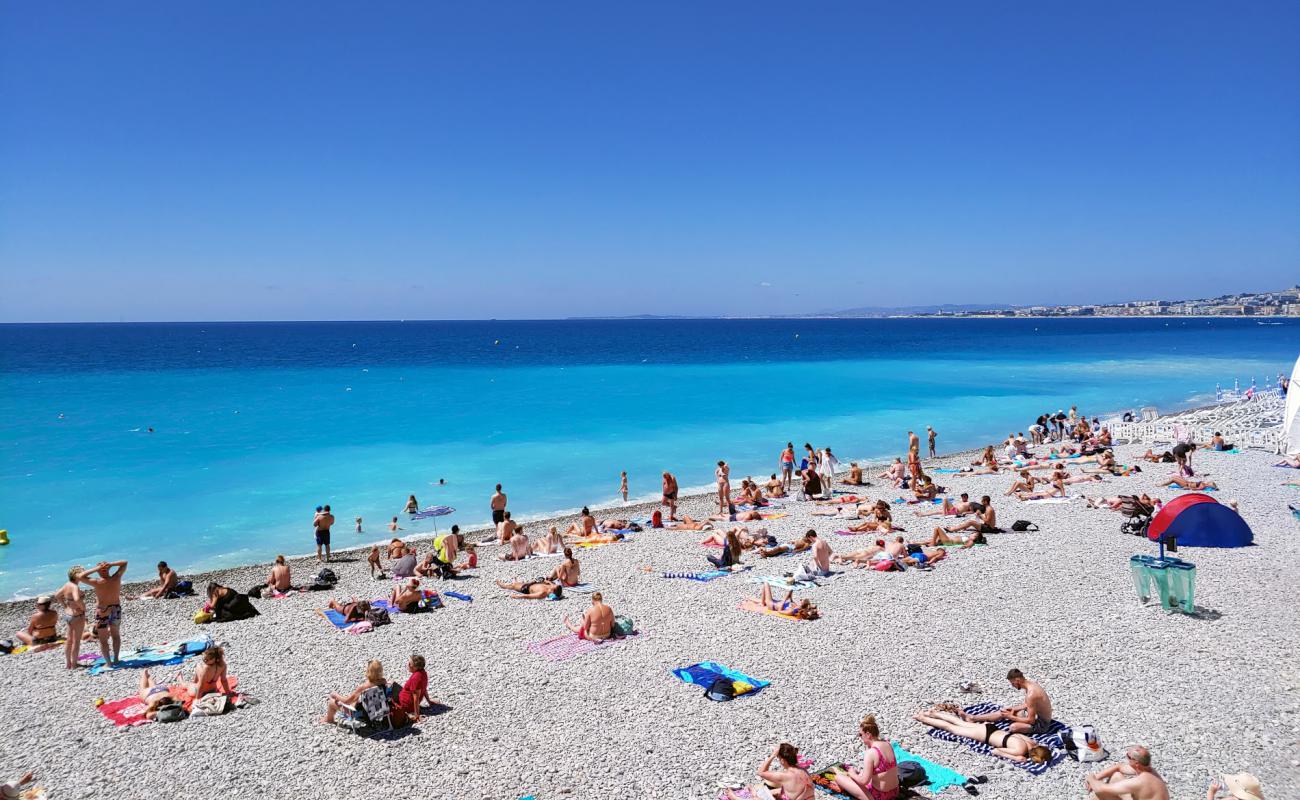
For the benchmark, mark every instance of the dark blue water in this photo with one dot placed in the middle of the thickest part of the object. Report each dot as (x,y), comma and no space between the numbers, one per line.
(255,424)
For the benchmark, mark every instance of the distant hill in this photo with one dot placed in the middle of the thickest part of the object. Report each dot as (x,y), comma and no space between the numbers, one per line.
(894,311)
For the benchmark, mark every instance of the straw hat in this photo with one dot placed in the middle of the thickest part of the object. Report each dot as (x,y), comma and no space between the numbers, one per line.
(1243,786)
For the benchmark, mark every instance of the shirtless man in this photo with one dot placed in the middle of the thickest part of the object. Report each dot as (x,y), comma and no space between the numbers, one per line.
(855,475)
(519,547)
(498,507)
(775,487)
(797,546)
(966,540)
(42,627)
(670,496)
(505,528)
(536,589)
(895,473)
(821,557)
(167,580)
(948,508)
(322,524)
(406,596)
(74,616)
(925,556)
(584,525)
(569,573)
(108,605)
(1032,716)
(597,621)
(393,526)
(984,521)
(396,549)
(913,446)
(279,580)
(1132,780)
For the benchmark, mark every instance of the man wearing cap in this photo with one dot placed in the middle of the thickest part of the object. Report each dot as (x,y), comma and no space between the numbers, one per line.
(1132,780)
(1242,786)
(41,629)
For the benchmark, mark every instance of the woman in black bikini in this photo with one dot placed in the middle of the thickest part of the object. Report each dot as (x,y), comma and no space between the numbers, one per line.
(1013,746)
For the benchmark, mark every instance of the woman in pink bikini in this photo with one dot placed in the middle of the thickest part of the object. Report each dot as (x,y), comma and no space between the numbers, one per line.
(878,778)
(793,780)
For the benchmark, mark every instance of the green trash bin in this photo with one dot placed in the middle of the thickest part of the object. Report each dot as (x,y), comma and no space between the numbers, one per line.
(1139,567)
(1182,585)
(1159,572)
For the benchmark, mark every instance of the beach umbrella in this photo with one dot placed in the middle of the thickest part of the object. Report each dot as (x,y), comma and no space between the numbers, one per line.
(1291,421)
(1198,520)
(433,512)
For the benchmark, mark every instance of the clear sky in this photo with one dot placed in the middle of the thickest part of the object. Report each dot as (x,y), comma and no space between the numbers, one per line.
(348,160)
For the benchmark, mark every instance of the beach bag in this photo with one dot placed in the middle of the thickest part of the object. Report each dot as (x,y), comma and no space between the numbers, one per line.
(203,616)
(170,712)
(1022,525)
(377,616)
(1083,744)
(256,591)
(657,519)
(325,579)
(7,646)
(911,773)
(372,708)
(623,626)
(213,704)
(721,690)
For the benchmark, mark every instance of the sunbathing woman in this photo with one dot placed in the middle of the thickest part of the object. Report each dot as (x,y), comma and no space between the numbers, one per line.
(352,611)
(924,489)
(775,487)
(1025,483)
(611,525)
(804,609)
(536,589)
(896,473)
(210,675)
(1057,490)
(737,516)
(948,508)
(152,695)
(688,524)
(1287,461)
(406,597)
(1189,483)
(986,521)
(1012,746)
(797,546)
(396,549)
(551,543)
(568,573)
(866,556)
(878,778)
(730,555)
(1118,502)
(793,780)
(719,537)
(966,540)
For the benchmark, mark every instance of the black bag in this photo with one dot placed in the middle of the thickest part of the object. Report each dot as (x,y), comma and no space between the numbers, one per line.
(7,646)
(1022,525)
(183,588)
(720,690)
(911,773)
(170,712)
(377,616)
(256,591)
(326,575)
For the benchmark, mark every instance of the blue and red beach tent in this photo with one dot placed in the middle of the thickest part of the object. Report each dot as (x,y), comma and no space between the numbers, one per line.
(1198,520)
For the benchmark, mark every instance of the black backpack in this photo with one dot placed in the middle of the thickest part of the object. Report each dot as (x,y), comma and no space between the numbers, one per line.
(1022,525)
(911,773)
(721,690)
(170,712)
(377,616)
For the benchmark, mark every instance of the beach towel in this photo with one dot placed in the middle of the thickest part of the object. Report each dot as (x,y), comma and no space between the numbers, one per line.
(40,648)
(937,776)
(1208,489)
(750,604)
(1047,501)
(703,577)
(581,588)
(129,711)
(781,582)
(154,655)
(1050,739)
(705,673)
(773,516)
(947,471)
(459,596)
(335,618)
(563,648)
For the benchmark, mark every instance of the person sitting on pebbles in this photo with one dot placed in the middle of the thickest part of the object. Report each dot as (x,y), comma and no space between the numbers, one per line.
(792,779)
(519,546)
(1012,746)
(167,580)
(568,573)
(337,702)
(597,621)
(42,627)
(406,597)
(1134,779)
(280,579)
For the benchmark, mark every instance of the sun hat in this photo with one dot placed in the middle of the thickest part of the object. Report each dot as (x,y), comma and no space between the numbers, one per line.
(43,600)
(1243,786)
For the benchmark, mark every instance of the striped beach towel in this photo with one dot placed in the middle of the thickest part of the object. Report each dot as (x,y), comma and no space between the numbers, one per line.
(703,577)
(563,648)
(1051,739)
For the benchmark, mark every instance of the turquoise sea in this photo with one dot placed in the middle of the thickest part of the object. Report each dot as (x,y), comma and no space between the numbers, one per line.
(256,424)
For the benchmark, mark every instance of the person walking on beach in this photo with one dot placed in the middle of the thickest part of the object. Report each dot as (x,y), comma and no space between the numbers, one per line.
(322,523)
(826,464)
(670,496)
(498,506)
(108,605)
(1134,779)
(622,485)
(723,474)
(787,465)
(74,616)
(931,436)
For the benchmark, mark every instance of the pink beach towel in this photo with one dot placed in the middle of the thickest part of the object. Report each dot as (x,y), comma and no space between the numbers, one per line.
(563,648)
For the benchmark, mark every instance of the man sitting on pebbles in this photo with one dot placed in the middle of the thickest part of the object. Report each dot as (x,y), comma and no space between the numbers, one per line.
(597,621)
(41,629)
(1034,715)
(406,597)
(1132,780)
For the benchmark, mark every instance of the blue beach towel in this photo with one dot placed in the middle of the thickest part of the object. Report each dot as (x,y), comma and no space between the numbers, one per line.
(458,596)
(703,577)
(154,655)
(1050,739)
(335,618)
(937,776)
(946,471)
(704,673)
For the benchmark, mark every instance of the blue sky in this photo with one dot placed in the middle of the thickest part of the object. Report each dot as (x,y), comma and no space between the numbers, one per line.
(241,160)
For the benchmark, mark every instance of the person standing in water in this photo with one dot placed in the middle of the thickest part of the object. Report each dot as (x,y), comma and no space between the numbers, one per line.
(498,506)
(622,485)
(931,436)
(322,523)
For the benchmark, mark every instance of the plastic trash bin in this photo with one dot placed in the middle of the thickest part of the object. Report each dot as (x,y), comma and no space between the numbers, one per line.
(1159,572)
(1182,585)
(1139,567)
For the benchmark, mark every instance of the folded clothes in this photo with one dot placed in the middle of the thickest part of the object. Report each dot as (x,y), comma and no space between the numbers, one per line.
(706,672)
(155,655)
(1050,739)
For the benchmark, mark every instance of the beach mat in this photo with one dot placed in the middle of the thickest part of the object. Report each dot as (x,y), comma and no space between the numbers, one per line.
(581,588)
(563,648)
(937,776)
(703,577)
(1051,739)
(705,673)
(752,605)
(1045,501)
(157,655)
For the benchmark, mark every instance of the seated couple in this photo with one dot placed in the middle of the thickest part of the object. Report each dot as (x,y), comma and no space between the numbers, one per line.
(395,704)
(568,573)
(984,521)
(961,508)
(209,676)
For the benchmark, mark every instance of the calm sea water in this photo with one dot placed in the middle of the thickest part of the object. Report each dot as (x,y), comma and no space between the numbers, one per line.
(256,424)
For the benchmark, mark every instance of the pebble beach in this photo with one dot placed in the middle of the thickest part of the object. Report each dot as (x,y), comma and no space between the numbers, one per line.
(1213,692)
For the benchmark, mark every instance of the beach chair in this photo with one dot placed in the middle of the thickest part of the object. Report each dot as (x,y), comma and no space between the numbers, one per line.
(1137,515)
(1149,414)
(370,715)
